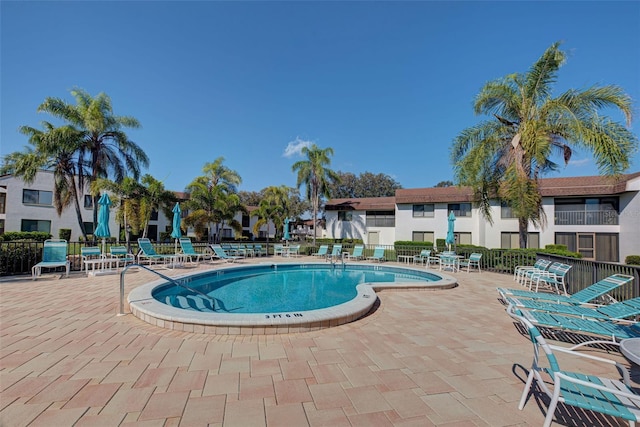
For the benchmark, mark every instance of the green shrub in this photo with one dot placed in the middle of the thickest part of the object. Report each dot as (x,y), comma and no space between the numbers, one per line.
(65,233)
(632,260)
(39,236)
(426,245)
(19,258)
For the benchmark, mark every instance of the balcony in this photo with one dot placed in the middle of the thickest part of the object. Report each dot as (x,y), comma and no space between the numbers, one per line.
(605,217)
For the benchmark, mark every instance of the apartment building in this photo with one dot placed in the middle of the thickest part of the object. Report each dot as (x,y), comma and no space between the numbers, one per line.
(594,215)
(29,207)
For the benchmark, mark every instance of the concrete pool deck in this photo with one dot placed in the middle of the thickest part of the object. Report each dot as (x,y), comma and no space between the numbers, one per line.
(440,358)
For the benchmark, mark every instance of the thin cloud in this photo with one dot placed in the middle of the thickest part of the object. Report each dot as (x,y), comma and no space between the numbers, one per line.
(295,147)
(579,162)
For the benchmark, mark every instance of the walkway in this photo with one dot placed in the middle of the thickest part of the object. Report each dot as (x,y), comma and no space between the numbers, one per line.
(423,358)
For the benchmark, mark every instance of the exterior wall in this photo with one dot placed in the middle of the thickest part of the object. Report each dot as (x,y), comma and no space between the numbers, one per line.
(354,229)
(16,210)
(630,220)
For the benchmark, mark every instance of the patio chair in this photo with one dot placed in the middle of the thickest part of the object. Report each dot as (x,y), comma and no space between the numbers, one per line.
(148,253)
(472,262)
(322,251)
(590,293)
(336,252)
(527,277)
(378,254)
(294,250)
(221,254)
(188,251)
(356,255)
(519,270)
(422,257)
(278,249)
(121,254)
(258,250)
(54,254)
(608,396)
(555,276)
(89,255)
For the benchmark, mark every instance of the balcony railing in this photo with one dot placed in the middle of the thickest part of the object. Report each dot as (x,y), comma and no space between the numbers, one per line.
(586,218)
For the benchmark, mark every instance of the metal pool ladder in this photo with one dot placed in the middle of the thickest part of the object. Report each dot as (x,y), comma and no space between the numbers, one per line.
(175,282)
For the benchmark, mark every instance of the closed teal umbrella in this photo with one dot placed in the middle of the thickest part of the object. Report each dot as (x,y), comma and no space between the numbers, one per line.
(176,233)
(102,230)
(451,238)
(286,235)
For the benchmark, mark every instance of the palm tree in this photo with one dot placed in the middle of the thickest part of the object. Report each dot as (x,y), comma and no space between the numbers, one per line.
(316,177)
(127,196)
(506,157)
(106,151)
(154,197)
(209,202)
(53,148)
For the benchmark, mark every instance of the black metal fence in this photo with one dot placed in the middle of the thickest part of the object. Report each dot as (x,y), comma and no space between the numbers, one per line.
(18,257)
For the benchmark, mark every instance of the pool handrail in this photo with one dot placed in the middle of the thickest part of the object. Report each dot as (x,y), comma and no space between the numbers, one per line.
(175,282)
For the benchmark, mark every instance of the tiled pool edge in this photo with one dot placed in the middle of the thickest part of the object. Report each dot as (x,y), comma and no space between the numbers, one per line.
(143,306)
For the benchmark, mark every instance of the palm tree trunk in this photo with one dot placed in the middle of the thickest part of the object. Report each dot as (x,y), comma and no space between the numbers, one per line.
(76,203)
(523,224)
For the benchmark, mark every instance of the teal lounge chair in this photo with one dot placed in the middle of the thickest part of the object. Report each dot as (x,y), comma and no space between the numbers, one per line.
(615,311)
(611,330)
(188,251)
(336,252)
(589,392)
(148,253)
(528,276)
(322,251)
(584,296)
(555,276)
(356,255)
(278,249)
(121,254)
(89,255)
(378,254)
(221,254)
(294,250)
(54,254)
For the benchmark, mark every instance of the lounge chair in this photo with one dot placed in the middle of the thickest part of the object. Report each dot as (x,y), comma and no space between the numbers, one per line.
(54,254)
(616,311)
(378,254)
(356,255)
(322,251)
(588,294)
(148,253)
(589,392)
(221,254)
(472,262)
(188,251)
(528,276)
(258,250)
(423,257)
(612,330)
(519,270)
(294,250)
(336,252)
(89,255)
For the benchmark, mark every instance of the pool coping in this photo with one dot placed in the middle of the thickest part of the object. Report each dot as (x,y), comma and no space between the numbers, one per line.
(145,307)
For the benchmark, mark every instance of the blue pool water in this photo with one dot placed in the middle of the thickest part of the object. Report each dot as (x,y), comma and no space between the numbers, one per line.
(280,288)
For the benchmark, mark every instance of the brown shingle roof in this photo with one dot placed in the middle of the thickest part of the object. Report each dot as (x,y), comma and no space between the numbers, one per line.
(366,203)
(572,186)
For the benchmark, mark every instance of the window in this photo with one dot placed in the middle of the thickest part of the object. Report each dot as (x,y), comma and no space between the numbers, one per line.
(598,246)
(37,197)
(1,226)
(88,227)
(511,240)
(345,215)
(88,201)
(420,211)
(381,219)
(3,203)
(462,238)
(422,236)
(460,209)
(246,220)
(154,215)
(506,211)
(35,225)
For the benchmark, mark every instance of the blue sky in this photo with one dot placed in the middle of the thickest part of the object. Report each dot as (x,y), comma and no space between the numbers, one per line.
(387,85)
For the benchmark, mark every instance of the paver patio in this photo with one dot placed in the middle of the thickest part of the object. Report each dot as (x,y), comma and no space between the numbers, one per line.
(423,358)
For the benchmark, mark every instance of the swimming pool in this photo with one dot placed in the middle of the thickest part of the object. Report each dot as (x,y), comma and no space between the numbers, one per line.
(274,298)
